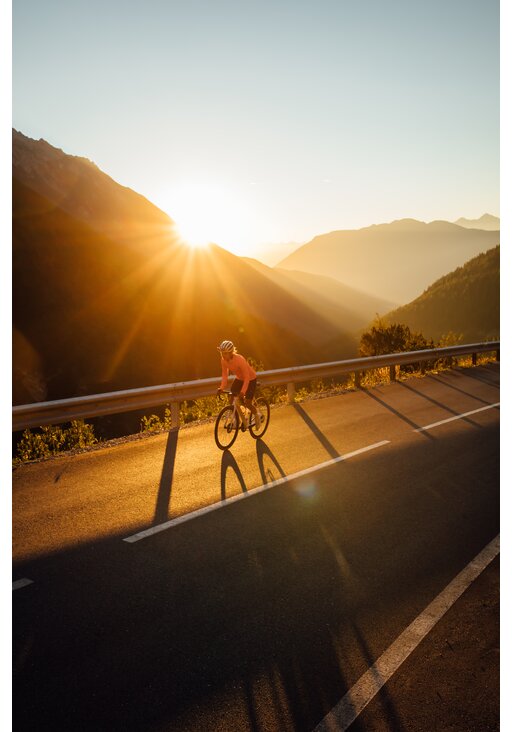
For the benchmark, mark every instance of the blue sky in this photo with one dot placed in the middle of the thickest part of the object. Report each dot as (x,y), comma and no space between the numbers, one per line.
(271,121)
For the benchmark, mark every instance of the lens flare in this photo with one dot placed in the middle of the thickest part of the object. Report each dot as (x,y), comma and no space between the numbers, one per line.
(307,489)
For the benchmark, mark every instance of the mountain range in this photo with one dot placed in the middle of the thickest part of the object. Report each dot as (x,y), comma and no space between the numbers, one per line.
(395,261)
(486,222)
(106,296)
(336,302)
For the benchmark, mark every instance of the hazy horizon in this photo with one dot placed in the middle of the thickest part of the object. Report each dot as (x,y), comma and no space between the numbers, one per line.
(256,125)
(272,253)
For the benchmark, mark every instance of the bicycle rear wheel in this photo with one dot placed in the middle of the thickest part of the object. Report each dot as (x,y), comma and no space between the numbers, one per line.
(226,427)
(263,408)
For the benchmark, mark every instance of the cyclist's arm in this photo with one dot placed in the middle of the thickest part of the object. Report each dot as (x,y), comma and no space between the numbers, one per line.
(224,381)
(247,377)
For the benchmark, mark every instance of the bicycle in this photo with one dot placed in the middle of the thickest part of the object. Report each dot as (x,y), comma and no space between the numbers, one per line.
(234,417)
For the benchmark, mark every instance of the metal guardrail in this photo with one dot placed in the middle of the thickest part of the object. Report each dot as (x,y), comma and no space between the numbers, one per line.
(97,405)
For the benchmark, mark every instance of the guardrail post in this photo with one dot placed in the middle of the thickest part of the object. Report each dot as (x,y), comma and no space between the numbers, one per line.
(357,379)
(290,392)
(474,357)
(175,416)
(392,373)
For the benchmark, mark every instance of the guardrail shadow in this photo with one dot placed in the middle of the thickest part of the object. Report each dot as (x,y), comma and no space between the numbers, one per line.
(397,413)
(263,451)
(164,491)
(456,388)
(438,404)
(316,431)
(228,461)
(482,379)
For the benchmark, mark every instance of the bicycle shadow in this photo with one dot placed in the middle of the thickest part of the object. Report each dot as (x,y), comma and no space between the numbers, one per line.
(267,474)
(228,462)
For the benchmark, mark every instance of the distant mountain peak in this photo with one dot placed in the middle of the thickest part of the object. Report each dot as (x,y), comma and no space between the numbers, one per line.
(407,223)
(487,222)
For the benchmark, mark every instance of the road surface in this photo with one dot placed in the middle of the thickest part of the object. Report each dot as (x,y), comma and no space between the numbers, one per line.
(262,613)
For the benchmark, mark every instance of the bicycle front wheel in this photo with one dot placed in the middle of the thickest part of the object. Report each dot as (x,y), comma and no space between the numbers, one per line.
(263,408)
(226,427)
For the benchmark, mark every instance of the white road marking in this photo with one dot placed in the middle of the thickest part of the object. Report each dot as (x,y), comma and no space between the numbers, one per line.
(370,683)
(457,416)
(21,583)
(220,504)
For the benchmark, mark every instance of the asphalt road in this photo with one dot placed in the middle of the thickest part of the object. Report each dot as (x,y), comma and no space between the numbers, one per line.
(261,614)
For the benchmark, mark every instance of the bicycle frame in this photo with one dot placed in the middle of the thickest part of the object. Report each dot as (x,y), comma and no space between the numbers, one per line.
(238,407)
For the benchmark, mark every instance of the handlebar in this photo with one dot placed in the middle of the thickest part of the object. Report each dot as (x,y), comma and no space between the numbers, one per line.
(238,397)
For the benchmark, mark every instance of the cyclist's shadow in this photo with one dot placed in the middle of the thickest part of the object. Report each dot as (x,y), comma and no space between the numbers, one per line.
(269,472)
(228,461)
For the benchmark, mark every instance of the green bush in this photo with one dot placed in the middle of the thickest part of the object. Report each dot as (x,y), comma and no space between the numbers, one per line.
(199,409)
(153,423)
(52,440)
(384,337)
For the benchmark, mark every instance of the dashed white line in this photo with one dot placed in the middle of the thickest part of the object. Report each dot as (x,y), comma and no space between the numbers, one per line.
(21,583)
(370,683)
(457,416)
(220,504)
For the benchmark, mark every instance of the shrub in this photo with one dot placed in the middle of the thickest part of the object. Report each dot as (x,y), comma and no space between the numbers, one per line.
(386,337)
(52,440)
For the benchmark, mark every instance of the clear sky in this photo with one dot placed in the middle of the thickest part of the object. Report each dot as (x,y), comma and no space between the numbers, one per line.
(271,121)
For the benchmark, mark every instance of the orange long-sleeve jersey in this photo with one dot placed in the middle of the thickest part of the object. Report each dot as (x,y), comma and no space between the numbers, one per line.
(240,368)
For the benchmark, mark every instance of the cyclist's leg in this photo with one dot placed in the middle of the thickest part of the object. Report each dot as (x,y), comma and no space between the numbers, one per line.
(249,403)
(254,412)
(235,392)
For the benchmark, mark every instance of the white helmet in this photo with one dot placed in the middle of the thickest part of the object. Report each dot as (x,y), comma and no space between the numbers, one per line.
(226,347)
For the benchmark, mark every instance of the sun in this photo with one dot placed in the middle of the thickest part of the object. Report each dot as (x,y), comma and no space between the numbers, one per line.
(206,213)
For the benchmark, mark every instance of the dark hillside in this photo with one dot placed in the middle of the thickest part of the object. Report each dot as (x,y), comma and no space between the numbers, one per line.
(78,187)
(465,302)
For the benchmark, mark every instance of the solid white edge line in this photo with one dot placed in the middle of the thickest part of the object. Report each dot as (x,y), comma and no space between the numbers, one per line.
(370,683)
(251,492)
(457,416)
(21,583)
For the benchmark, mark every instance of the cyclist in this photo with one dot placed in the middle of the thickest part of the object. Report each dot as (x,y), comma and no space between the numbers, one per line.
(244,384)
